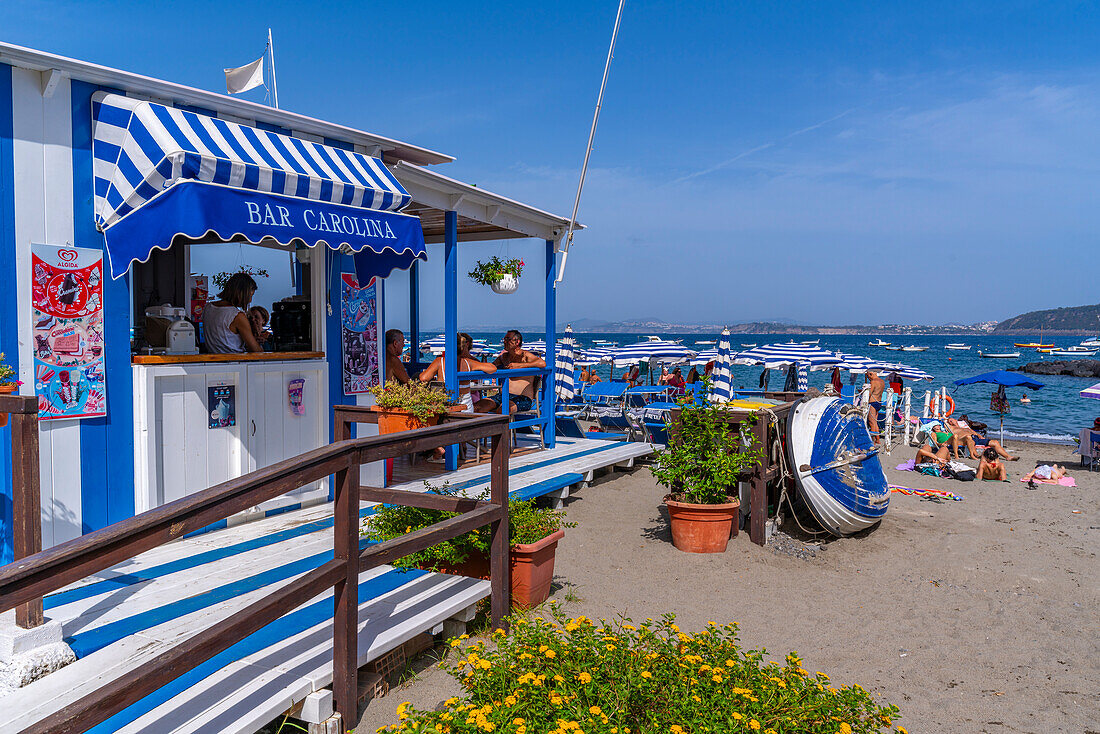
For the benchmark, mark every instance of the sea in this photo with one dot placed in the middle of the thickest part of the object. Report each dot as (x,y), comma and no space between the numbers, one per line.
(1056,413)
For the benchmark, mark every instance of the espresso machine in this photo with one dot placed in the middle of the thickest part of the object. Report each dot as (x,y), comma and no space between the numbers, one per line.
(292,325)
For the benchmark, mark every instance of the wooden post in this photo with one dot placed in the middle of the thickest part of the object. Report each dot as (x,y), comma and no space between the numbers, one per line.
(758,494)
(499,567)
(27,509)
(345,621)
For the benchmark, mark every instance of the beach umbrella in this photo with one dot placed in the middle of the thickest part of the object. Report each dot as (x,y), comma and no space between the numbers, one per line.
(856,363)
(904,371)
(1092,392)
(1003,379)
(781,355)
(651,351)
(564,368)
(721,386)
(588,357)
(803,377)
(538,347)
(437,344)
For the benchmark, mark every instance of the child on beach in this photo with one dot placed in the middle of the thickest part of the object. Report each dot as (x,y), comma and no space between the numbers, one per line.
(990,466)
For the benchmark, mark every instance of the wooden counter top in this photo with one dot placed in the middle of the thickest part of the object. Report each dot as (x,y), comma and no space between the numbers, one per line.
(241,357)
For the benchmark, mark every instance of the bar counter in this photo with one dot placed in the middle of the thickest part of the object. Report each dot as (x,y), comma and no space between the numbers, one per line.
(234,357)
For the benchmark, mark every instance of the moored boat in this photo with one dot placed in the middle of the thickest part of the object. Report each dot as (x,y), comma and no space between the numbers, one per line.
(1033,345)
(878,343)
(998,355)
(748,346)
(912,348)
(1091,343)
(837,465)
(815,341)
(958,346)
(1073,353)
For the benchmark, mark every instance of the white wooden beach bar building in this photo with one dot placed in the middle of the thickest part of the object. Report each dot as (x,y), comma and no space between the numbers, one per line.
(141,170)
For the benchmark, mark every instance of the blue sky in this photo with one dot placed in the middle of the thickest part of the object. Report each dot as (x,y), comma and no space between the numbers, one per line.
(828,163)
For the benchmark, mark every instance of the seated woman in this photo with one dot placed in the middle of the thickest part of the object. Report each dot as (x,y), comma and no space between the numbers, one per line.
(226,327)
(694,376)
(932,452)
(990,467)
(466,363)
(632,375)
(974,441)
(676,380)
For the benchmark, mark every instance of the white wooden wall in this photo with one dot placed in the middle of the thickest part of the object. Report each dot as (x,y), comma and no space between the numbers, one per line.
(42,152)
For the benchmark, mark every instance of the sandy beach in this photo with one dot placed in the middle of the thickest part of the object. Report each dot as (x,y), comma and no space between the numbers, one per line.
(972,616)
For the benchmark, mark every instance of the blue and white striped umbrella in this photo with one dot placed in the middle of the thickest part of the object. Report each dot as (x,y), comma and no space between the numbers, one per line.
(564,368)
(701,358)
(803,377)
(780,355)
(1092,392)
(596,355)
(856,363)
(721,386)
(904,371)
(651,351)
(437,344)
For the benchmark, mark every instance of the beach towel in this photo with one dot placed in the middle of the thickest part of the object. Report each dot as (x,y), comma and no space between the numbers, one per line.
(1063,482)
(907,466)
(942,493)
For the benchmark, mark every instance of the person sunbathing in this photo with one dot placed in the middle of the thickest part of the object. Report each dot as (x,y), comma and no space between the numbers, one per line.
(1046,473)
(974,441)
(990,467)
(931,452)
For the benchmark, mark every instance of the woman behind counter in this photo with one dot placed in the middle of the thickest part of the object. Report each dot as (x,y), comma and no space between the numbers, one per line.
(225,324)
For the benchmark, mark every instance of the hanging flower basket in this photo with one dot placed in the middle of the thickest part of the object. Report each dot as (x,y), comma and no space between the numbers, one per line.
(500,275)
(507,284)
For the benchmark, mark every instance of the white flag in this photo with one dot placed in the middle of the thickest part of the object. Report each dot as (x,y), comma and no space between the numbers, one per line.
(245,77)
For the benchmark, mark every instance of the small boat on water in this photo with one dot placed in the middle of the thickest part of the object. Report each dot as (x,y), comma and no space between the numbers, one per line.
(894,349)
(961,347)
(748,346)
(815,341)
(999,355)
(1073,353)
(837,465)
(878,343)
(912,348)
(1091,343)
(1033,345)
(706,342)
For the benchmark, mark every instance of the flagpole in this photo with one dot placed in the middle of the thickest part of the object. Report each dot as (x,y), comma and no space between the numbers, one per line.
(588,149)
(274,83)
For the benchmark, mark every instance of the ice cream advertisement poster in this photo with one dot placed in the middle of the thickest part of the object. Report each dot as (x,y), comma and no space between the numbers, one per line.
(359,334)
(67,315)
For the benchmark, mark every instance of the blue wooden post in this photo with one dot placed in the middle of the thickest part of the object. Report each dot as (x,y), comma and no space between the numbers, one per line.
(450,315)
(548,393)
(414,311)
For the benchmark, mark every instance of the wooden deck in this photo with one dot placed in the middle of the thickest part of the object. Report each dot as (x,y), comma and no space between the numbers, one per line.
(128,614)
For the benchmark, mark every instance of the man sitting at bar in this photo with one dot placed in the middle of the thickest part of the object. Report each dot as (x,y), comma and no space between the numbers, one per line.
(395,345)
(225,324)
(521,390)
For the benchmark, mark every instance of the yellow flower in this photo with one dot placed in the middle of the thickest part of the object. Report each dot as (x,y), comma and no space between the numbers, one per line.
(509,700)
(518,722)
(450,701)
(456,642)
(716,678)
(559,679)
(676,729)
(609,647)
(730,663)
(584,678)
(647,674)
(674,628)
(594,710)
(484,664)
(754,725)
(696,699)
(550,654)
(737,716)
(845,728)
(902,730)
(401,709)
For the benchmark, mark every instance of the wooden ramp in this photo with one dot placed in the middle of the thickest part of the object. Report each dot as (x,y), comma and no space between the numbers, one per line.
(126,615)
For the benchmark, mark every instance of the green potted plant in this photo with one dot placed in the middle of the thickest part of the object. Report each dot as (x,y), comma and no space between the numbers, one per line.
(220,279)
(8,383)
(534,532)
(706,454)
(413,405)
(502,275)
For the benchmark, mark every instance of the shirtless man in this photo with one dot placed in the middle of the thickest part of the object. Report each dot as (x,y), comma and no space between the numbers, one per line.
(395,345)
(521,390)
(878,386)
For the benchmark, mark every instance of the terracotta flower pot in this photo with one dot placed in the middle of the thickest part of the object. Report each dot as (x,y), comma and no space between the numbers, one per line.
(7,388)
(393,421)
(532,569)
(701,528)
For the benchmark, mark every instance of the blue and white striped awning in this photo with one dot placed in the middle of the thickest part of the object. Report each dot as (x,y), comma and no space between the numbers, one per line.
(721,387)
(781,355)
(203,175)
(1092,392)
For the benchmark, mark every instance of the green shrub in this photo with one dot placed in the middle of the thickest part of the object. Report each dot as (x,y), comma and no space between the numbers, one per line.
(572,676)
(495,268)
(527,523)
(705,455)
(419,398)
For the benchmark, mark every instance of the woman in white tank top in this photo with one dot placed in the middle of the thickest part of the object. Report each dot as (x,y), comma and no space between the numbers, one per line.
(225,325)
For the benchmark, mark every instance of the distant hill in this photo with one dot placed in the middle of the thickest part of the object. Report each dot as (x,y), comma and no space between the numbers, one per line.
(1070,320)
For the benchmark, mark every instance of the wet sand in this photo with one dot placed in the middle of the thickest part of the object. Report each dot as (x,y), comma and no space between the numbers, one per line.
(972,616)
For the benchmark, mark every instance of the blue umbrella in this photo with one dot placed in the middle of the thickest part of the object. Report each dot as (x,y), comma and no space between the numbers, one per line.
(1003,378)
(721,387)
(658,351)
(781,355)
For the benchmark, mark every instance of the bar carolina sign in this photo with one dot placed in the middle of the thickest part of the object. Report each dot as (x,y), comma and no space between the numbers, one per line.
(198,211)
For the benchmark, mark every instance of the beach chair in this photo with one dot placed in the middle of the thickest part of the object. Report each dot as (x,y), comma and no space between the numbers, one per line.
(639,397)
(1094,450)
(622,424)
(656,433)
(605,393)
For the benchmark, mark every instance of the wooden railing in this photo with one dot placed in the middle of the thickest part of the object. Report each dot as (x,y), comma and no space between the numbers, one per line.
(25,491)
(43,572)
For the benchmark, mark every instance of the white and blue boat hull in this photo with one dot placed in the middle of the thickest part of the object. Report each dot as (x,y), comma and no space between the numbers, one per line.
(836,465)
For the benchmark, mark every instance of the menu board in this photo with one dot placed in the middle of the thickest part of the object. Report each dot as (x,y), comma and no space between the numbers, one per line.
(67,315)
(358,334)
